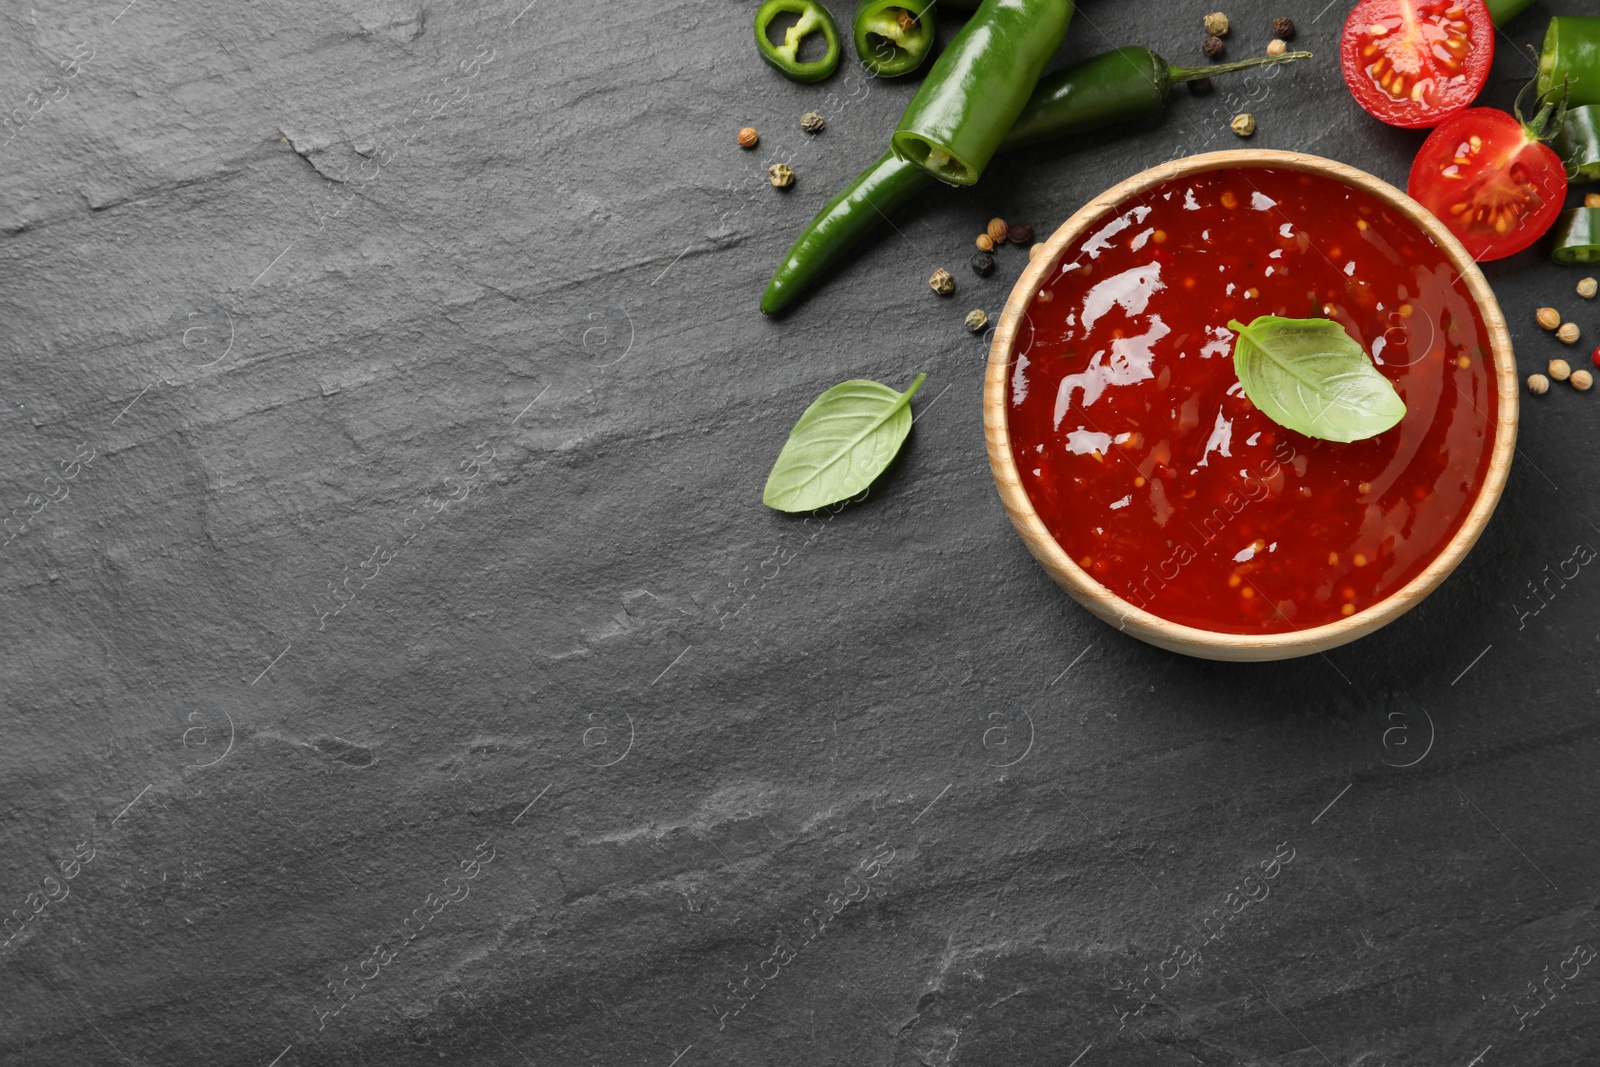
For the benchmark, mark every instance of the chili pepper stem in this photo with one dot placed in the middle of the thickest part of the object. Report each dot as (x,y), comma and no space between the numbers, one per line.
(1179,75)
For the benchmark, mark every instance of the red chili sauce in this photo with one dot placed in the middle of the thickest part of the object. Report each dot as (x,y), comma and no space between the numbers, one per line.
(1148,464)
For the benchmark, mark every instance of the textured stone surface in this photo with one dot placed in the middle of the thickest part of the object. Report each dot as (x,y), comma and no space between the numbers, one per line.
(284,280)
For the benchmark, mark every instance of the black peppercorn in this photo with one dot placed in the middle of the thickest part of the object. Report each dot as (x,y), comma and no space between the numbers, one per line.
(1213,47)
(1283,29)
(1021,233)
(1201,87)
(983,264)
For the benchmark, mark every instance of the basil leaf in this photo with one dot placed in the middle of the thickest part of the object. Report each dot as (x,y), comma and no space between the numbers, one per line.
(1312,377)
(844,440)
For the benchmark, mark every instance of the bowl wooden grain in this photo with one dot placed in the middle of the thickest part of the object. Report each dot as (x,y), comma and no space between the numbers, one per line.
(1190,640)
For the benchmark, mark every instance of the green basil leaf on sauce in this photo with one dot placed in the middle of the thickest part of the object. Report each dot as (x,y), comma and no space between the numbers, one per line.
(845,439)
(1311,377)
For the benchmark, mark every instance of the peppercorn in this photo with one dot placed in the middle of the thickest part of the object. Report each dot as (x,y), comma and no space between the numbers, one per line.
(1021,233)
(1212,47)
(1591,199)
(781,175)
(1276,47)
(976,320)
(748,137)
(1217,24)
(812,122)
(1559,370)
(985,243)
(1538,384)
(1283,28)
(1582,380)
(1568,334)
(1201,87)
(983,264)
(1586,288)
(1595,359)
(1549,318)
(997,231)
(942,283)
(1243,125)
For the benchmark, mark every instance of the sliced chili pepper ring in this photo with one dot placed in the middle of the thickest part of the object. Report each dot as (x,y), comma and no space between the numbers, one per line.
(813,18)
(1578,143)
(893,37)
(1577,237)
(1571,50)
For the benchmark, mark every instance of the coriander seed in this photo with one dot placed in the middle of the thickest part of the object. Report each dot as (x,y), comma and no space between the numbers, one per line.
(1591,199)
(748,137)
(1213,47)
(1034,251)
(1538,384)
(1549,318)
(1559,370)
(983,264)
(942,283)
(1586,288)
(985,243)
(781,175)
(1021,233)
(1568,334)
(1582,380)
(1243,125)
(1276,47)
(812,122)
(1217,24)
(976,320)
(1283,28)
(998,230)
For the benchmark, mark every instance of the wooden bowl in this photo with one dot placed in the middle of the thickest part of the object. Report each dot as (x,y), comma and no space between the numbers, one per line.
(1191,640)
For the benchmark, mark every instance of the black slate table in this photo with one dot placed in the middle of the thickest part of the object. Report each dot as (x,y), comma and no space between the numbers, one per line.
(400,667)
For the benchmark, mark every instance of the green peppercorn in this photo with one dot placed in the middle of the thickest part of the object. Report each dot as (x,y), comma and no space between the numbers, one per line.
(976,320)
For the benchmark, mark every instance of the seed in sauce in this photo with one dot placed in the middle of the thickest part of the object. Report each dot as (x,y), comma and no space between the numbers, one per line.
(1129,353)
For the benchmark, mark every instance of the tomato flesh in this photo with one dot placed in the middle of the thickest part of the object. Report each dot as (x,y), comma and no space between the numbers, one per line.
(1414,63)
(1492,185)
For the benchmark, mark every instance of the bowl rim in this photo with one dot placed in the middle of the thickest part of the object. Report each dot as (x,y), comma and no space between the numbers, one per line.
(1213,644)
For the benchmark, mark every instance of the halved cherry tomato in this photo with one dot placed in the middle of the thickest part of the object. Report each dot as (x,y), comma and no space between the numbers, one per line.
(1491,180)
(1415,63)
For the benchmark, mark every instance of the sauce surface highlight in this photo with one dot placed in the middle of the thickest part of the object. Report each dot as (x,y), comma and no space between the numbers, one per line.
(1148,464)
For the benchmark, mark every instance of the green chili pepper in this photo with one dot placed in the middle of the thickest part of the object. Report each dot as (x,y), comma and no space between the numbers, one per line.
(1577,236)
(1117,86)
(1120,86)
(893,37)
(978,86)
(1572,50)
(1503,11)
(814,18)
(1578,143)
